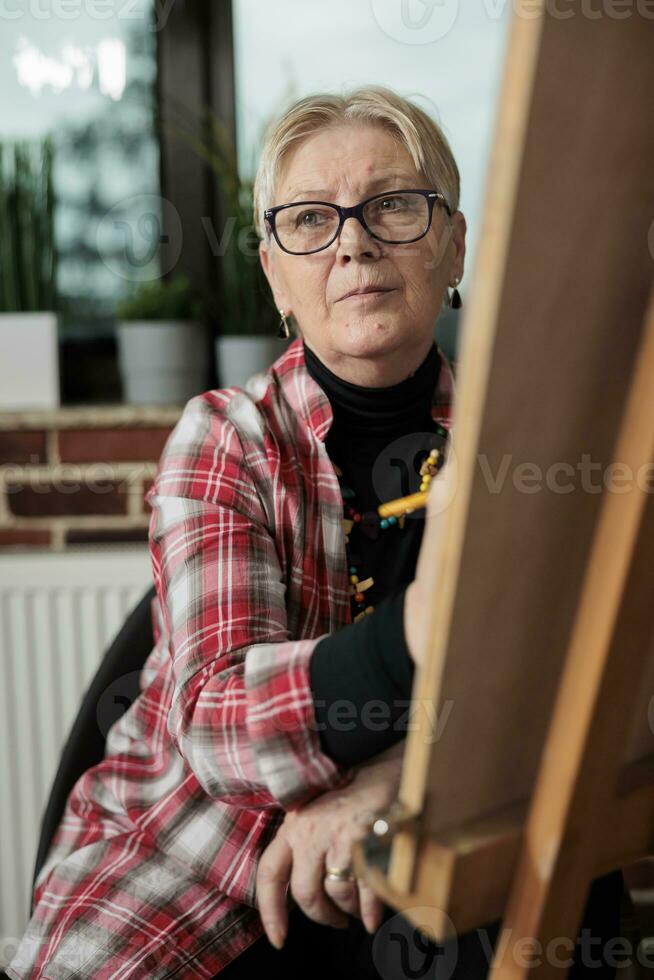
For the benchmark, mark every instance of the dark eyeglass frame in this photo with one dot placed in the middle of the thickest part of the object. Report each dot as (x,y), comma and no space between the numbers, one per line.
(433,197)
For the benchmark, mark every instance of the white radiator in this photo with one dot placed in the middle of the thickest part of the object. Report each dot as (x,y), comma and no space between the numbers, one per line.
(58,614)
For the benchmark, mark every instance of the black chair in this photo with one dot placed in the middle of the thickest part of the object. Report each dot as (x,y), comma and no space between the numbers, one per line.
(113,689)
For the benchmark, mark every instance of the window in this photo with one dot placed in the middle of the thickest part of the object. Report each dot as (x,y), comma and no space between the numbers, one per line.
(86,73)
(446,56)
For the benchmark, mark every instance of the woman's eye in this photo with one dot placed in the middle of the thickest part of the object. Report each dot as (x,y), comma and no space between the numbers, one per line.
(394,203)
(309,219)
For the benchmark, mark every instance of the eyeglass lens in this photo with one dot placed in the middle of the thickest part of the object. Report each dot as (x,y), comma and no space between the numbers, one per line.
(394,218)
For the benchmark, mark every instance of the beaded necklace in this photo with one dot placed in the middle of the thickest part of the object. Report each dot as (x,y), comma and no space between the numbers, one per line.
(371,522)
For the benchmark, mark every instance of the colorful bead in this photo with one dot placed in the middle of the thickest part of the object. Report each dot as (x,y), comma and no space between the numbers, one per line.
(370,521)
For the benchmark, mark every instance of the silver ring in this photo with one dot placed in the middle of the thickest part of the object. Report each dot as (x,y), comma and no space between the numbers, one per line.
(340,874)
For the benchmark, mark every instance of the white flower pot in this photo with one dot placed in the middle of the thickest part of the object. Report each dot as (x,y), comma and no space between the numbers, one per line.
(238,358)
(29,361)
(162,362)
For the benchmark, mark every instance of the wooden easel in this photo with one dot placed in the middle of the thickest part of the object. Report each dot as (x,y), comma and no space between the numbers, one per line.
(542,624)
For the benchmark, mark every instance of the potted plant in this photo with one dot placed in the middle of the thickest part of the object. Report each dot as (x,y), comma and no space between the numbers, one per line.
(162,343)
(243,308)
(29,350)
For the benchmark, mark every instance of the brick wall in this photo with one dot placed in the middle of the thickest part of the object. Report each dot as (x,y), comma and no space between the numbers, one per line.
(79,475)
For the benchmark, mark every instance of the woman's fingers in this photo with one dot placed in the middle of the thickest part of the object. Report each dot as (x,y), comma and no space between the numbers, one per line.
(273,873)
(308,890)
(344,894)
(356,898)
(313,839)
(372,907)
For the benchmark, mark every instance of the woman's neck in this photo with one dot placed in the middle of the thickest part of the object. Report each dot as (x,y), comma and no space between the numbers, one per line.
(382,412)
(383,371)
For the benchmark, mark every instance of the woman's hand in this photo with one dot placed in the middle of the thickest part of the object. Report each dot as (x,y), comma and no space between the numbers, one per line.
(321,834)
(418,601)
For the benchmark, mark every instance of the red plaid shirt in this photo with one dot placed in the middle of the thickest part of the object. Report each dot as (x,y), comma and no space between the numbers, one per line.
(152,870)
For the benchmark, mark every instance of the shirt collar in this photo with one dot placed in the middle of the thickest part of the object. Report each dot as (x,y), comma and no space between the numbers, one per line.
(309,401)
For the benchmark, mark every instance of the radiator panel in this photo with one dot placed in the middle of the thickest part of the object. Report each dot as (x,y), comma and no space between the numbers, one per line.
(58,615)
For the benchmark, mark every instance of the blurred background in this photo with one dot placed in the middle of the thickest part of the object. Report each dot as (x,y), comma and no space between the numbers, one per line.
(130,281)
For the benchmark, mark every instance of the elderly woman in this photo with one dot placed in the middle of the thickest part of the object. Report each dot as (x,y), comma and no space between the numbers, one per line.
(288,615)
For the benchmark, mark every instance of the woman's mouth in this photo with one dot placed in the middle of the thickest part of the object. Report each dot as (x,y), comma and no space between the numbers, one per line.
(370,294)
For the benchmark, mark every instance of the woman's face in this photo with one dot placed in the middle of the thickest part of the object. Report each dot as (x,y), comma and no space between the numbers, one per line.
(359,338)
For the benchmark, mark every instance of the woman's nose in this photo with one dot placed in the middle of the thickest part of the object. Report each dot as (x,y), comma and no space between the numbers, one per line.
(355,240)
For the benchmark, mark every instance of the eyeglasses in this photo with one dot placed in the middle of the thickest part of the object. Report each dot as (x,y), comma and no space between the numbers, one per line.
(396,218)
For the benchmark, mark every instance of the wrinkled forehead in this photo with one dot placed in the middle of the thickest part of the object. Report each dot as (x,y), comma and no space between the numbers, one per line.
(344,161)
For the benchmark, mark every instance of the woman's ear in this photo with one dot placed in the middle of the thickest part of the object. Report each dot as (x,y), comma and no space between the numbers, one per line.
(272,275)
(459,228)
(264,258)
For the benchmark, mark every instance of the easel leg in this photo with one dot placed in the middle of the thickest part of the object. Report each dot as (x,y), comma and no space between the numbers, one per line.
(574,824)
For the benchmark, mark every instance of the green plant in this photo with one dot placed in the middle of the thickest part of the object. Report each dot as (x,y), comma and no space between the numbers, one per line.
(162,299)
(27,249)
(242,301)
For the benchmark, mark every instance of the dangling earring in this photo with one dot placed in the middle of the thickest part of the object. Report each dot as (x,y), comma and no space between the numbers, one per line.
(455,299)
(283,326)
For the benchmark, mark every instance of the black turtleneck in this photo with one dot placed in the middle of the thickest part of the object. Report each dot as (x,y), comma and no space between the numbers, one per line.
(362,675)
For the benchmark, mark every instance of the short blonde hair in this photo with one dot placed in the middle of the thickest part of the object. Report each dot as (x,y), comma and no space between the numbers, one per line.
(422,137)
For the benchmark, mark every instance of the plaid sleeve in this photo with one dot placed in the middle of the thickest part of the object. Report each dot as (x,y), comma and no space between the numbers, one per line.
(242,711)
